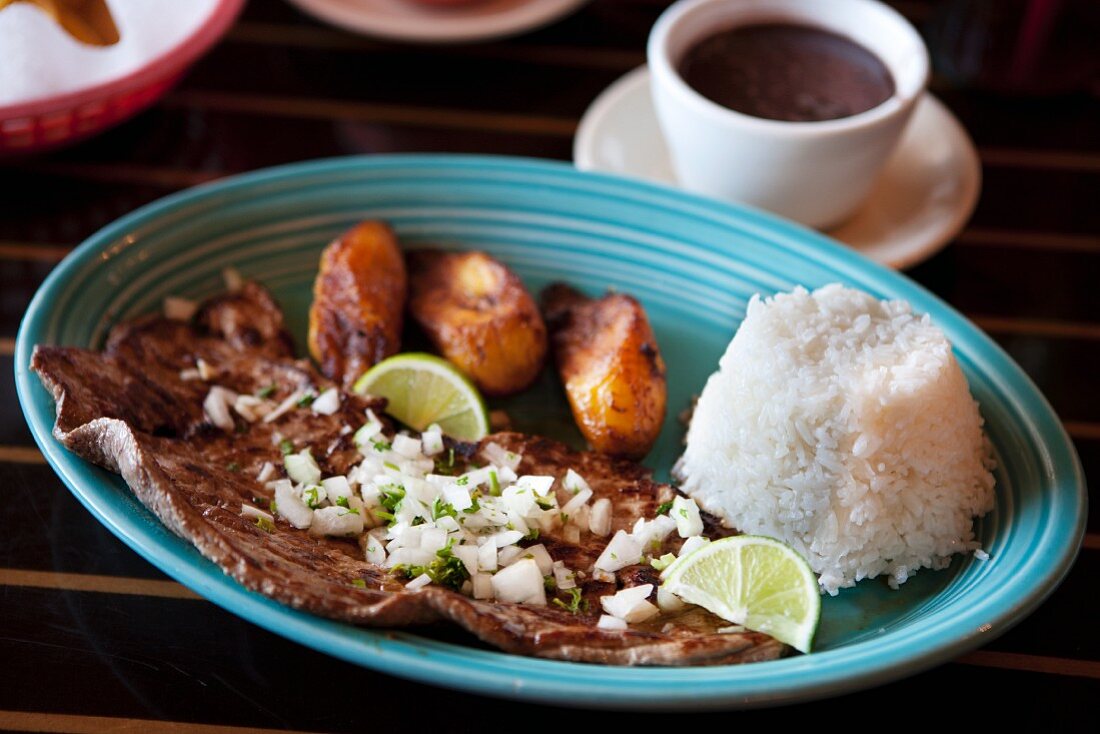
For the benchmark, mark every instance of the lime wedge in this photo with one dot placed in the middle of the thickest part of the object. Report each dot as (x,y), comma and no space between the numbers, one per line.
(753,581)
(422,389)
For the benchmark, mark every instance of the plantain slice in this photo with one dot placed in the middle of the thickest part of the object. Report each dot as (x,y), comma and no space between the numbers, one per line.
(612,370)
(479,316)
(358,302)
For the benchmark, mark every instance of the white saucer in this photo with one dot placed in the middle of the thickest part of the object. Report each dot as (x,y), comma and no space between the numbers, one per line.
(924,197)
(408,20)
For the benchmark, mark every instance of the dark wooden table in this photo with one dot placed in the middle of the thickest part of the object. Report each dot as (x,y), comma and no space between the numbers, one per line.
(94,638)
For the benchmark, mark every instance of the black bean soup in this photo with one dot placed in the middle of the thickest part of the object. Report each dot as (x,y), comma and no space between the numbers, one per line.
(787,72)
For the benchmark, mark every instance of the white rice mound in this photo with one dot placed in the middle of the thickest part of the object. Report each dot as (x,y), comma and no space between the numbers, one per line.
(843,426)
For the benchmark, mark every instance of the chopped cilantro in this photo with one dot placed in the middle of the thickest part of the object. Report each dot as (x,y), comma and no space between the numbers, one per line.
(532,534)
(306,400)
(576,604)
(359,583)
(311,496)
(380,446)
(286,446)
(391,497)
(549,583)
(462,481)
(441,509)
(267,392)
(264,524)
(343,502)
(663,508)
(446,570)
(475,496)
(683,512)
(544,502)
(663,562)
(233,466)
(273,507)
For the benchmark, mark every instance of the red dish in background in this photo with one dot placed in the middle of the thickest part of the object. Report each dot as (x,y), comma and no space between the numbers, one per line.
(30,127)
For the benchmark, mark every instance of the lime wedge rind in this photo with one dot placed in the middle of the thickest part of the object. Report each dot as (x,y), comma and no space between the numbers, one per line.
(789,608)
(422,389)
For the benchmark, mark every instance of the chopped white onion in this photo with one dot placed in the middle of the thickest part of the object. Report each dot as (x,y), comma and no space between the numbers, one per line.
(255,513)
(509,555)
(607,622)
(497,454)
(468,554)
(651,533)
(563,577)
(314,495)
(541,557)
(693,543)
(629,604)
(571,534)
(667,601)
(599,517)
(457,497)
(408,557)
(620,603)
(622,551)
(483,586)
(336,487)
(302,468)
(575,483)
(520,583)
(433,539)
(431,440)
(289,505)
(267,471)
(367,431)
(375,551)
(327,403)
(216,407)
(338,521)
(406,446)
(540,485)
(284,407)
(507,537)
(576,502)
(419,582)
(206,372)
(250,407)
(686,514)
(487,556)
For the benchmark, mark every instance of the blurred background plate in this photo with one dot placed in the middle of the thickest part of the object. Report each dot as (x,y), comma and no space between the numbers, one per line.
(61,119)
(441,21)
(694,264)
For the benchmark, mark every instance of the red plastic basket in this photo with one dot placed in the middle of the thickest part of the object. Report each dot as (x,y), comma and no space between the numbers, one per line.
(65,118)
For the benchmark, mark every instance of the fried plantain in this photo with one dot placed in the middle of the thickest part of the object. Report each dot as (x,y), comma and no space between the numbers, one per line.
(612,370)
(358,302)
(480,316)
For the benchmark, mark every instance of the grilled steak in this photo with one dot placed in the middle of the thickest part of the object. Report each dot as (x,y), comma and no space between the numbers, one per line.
(137,409)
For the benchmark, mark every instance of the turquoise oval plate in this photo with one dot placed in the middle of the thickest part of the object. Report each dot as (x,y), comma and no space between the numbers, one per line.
(694,264)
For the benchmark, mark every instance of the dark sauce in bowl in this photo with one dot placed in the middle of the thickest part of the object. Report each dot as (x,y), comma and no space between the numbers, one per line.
(787,72)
